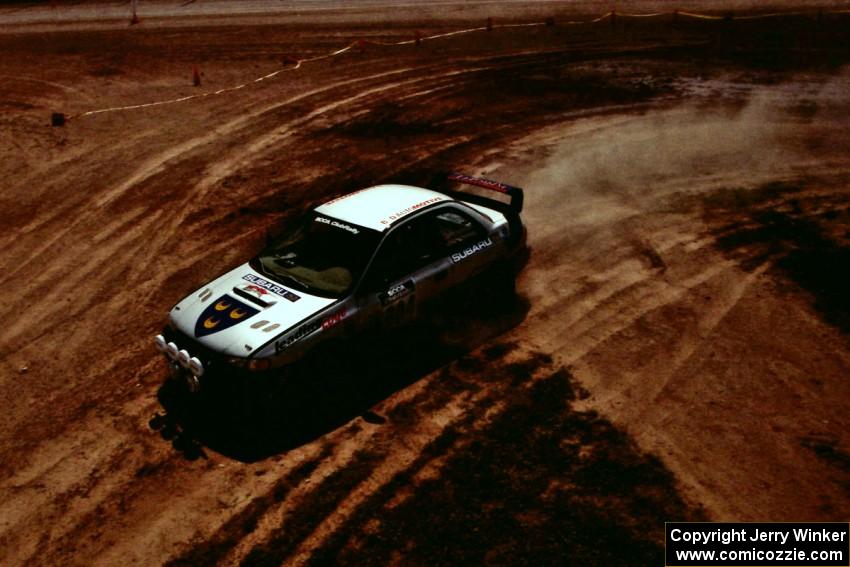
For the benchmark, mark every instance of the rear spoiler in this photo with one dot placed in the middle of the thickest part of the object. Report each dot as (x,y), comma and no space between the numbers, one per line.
(515,193)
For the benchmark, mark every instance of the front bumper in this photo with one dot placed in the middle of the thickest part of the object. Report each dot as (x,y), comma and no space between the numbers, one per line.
(181,362)
(189,361)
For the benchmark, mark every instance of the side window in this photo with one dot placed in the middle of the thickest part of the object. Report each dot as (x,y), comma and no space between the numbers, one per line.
(400,254)
(421,241)
(456,229)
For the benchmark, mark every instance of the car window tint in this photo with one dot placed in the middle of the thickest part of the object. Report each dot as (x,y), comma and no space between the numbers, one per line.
(456,229)
(423,240)
(405,250)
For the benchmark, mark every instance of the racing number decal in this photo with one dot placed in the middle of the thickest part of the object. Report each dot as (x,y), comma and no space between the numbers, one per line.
(398,302)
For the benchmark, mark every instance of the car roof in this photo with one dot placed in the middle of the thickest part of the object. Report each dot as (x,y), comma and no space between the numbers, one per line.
(380,206)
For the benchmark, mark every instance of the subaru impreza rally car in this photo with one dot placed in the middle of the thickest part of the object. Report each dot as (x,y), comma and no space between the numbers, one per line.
(364,261)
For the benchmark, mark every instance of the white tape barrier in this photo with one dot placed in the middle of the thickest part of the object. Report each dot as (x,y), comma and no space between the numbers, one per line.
(418,39)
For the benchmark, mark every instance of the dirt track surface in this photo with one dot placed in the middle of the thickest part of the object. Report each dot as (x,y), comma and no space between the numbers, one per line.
(678,350)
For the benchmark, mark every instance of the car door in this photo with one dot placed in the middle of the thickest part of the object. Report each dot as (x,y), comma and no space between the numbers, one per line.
(419,259)
(409,268)
(466,243)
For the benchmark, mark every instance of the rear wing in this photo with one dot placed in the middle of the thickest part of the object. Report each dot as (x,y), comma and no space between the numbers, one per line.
(514,193)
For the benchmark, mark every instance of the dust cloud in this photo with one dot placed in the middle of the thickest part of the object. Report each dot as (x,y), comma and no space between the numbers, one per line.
(602,168)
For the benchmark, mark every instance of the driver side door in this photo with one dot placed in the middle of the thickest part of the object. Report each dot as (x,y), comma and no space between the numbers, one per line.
(411,266)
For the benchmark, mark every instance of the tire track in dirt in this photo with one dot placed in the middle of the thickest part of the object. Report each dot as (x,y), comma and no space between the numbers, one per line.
(156,164)
(344,451)
(439,417)
(694,338)
(594,286)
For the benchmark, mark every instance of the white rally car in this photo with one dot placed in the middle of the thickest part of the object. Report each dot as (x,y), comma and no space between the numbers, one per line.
(365,261)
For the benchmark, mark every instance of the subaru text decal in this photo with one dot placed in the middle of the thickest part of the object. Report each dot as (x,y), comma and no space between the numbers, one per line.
(272,287)
(222,314)
(466,252)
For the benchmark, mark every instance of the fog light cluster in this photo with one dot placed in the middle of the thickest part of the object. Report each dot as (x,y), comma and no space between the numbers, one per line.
(196,367)
(183,358)
(168,349)
(179,356)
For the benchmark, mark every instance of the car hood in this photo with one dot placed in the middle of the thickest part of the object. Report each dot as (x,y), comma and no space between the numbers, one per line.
(242,310)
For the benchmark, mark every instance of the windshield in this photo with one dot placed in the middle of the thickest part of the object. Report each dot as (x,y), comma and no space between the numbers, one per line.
(319,255)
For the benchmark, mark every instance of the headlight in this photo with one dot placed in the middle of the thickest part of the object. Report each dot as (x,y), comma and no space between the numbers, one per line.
(171,350)
(196,367)
(183,358)
(237,361)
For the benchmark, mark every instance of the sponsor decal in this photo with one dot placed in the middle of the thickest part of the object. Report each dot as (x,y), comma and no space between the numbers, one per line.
(397,292)
(410,209)
(250,291)
(222,314)
(333,319)
(341,197)
(467,252)
(266,286)
(338,224)
(481,182)
(256,290)
(297,335)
